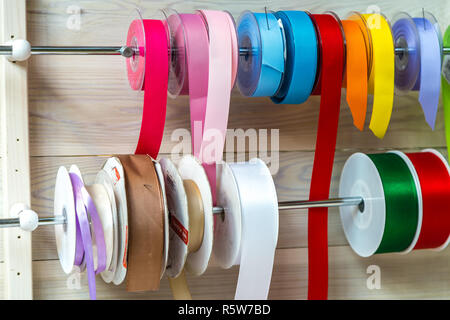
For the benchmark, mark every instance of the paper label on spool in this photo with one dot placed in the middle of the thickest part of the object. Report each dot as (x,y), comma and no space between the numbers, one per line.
(190,169)
(65,234)
(227,227)
(160,175)
(179,218)
(363,230)
(104,179)
(114,169)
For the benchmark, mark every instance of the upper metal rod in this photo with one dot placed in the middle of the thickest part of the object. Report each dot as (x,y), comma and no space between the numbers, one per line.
(125,51)
(283,205)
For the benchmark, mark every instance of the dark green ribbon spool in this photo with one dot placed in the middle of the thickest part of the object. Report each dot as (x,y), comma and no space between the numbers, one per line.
(402,202)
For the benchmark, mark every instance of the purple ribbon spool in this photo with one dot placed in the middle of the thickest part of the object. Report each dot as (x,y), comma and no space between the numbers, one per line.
(84,205)
(407,64)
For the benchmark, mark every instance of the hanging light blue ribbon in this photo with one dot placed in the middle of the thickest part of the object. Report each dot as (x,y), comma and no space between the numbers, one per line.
(419,68)
(301,57)
(429,82)
(261,70)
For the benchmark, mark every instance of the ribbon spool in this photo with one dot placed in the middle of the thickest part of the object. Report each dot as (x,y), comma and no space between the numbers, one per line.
(162,186)
(112,170)
(419,66)
(407,63)
(301,57)
(381,80)
(104,180)
(102,203)
(189,168)
(187,224)
(146,213)
(76,240)
(247,233)
(261,70)
(434,175)
(149,71)
(177,203)
(357,71)
(211,55)
(390,219)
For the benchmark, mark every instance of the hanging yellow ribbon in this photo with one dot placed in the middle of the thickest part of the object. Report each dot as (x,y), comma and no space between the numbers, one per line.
(381,81)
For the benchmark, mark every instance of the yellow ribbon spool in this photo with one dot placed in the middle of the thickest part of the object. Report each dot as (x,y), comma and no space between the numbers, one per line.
(381,81)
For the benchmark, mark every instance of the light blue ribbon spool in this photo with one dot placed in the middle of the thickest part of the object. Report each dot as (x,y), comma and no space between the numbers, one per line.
(301,58)
(261,70)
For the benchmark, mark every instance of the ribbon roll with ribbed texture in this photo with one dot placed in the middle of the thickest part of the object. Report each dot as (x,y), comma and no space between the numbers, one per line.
(146,223)
(149,71)
(261,69)
(247,233)
(331,66)
(301,58)
(381,81)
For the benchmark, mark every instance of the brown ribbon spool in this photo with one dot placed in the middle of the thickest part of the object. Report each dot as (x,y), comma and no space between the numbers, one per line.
(145,221)
(180,289)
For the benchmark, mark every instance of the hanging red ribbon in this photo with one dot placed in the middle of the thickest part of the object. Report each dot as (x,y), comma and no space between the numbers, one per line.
(154,37)
(434,181)
(331,66)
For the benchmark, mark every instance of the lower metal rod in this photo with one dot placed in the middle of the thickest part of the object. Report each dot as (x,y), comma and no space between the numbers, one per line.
(307,204)
(125,51)
(283,205)
(45,221)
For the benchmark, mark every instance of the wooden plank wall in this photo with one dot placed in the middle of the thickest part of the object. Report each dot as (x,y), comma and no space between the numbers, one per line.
(81,110)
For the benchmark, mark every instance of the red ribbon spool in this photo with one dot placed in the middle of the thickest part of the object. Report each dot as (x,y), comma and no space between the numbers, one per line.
(434,178)
(150,73)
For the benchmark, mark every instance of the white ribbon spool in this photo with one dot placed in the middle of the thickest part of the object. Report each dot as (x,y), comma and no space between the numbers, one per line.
(65,234)
(179,216)
(104,179)
(160,175)
(247,235)
(115,171)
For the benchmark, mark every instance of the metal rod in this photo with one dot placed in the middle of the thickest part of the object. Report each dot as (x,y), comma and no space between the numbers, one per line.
(306,204)
(125,51)
(45,221)
(283,205)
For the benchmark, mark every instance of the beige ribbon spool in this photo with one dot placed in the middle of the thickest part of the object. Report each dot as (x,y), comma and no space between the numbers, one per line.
(179,286)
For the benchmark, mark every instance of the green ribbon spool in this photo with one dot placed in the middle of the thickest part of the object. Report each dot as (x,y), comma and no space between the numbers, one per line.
(402,203)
